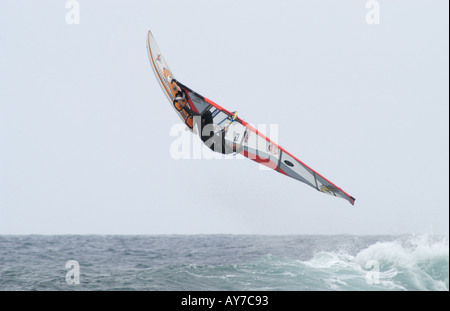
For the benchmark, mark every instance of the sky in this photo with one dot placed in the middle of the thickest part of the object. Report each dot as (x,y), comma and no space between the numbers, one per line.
(85,129)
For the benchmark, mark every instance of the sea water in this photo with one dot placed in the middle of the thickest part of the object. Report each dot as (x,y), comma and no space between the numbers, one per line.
(224,262)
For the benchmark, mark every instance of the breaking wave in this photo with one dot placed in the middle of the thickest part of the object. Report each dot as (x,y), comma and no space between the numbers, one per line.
(409,263)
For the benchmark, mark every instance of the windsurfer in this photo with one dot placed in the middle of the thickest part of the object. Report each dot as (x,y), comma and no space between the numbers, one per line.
(211,134)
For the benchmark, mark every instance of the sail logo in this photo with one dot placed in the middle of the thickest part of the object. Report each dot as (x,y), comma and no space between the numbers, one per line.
(272,149)
(329,189)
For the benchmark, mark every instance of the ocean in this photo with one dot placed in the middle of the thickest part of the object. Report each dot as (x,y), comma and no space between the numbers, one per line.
(224,263)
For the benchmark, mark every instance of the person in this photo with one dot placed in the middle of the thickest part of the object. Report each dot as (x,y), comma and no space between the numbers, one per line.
(211,134)
(181,104)
(214,136)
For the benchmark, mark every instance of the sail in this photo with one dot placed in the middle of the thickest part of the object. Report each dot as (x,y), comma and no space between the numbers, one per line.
(246,140)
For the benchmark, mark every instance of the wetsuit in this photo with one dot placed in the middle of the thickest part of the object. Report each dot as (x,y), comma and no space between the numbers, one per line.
(217,137)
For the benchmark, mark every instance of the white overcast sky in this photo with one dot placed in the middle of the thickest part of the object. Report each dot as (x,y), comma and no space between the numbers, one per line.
(85,128)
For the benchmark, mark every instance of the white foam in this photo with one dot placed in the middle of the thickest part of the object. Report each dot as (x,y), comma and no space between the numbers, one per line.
(408,263)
